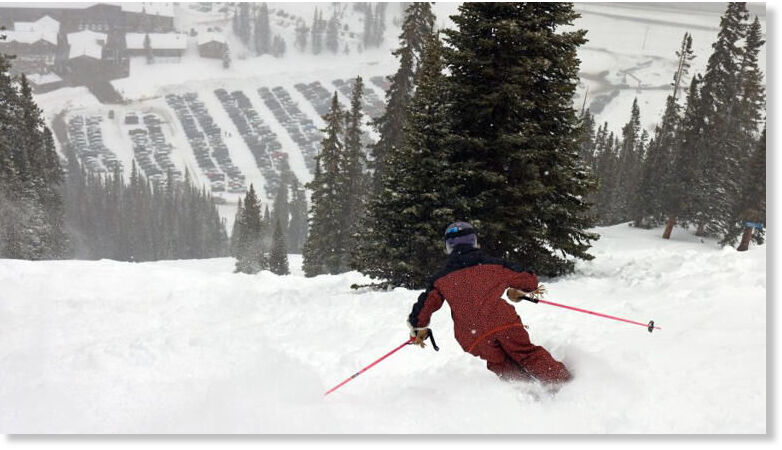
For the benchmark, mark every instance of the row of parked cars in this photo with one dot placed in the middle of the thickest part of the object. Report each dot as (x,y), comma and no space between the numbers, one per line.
(299,127)
(206,140)
(263,143)
(316,94)
(373,106)
(381,82)
(86,137)
(150,148)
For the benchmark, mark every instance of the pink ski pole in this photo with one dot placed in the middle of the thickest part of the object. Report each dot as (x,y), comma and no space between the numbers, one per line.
(369,366)
(649,326)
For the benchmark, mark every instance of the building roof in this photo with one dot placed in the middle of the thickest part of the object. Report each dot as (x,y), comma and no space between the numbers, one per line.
(45,23)
(153,9)
(41,79)
(43,29)
(86,43)
(158,41)
(210,36)
(30,37)
(160,9)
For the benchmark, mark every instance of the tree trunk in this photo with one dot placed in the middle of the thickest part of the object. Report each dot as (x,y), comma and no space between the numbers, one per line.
(745,239)
(700,231)
(669,227)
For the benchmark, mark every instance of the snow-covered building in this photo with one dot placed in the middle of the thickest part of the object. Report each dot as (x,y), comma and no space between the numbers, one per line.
(93,56)
(211,44)
(44,82)
(101,17)
(161,44)
(33,43)
(147,16)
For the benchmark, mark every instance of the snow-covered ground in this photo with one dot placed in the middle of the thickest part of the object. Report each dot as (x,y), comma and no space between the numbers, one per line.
(190,347)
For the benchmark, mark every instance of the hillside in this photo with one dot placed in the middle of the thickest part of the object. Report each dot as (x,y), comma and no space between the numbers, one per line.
(278,102)
(190,347)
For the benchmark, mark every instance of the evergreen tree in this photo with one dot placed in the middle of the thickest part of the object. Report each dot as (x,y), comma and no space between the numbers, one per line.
(750,205)
(607,171)
(723,148)
(251,252)
(297,228)
(332,34)
(751,107)
(236,231)
(324,249)
(649,209)
(263,32)
(244,23)
(31,225)
(353,166)
(418,24)
(281,211)
(514,147)
(402,233)
(682,190)
(629,158)
(317,36)
(278,258)
(301,35)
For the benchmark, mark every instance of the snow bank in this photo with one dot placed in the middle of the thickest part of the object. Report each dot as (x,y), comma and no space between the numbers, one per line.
(190,347)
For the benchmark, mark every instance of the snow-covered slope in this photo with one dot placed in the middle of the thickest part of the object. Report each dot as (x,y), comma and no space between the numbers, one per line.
(190,347)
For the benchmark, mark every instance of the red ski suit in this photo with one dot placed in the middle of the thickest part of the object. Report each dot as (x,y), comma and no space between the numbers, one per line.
(485,325)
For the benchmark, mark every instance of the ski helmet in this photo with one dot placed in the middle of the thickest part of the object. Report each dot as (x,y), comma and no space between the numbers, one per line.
(459,233)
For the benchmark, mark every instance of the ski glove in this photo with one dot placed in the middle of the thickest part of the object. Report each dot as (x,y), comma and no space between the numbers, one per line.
(420,337)
(515,295)
(420,334)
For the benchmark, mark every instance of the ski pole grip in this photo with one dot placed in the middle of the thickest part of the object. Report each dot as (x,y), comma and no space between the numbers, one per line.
(530,299)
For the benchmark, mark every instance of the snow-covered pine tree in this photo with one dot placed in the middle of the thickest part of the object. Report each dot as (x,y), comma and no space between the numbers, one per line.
(236,231)
(332,34)
(606,169)
(723,147)
(263,32)
(280,207)
(752,106)
(648,205)
(369,26)
(418,23)
(514,133)
(402,235)
(297,228)
(324,247)
(251,252)
(278,257)
(681,188)
(244,27)
(302,31)
(317,34)
(629,164)
(750,205)
(353,167)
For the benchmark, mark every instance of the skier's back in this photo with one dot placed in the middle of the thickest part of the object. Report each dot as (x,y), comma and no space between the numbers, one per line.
(485,325)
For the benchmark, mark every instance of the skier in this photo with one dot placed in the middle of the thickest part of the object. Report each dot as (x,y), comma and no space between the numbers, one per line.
(485,325)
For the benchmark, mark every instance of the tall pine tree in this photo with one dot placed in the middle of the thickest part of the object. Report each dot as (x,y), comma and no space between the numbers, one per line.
(324,250)
(514,70)
(402,234)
